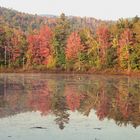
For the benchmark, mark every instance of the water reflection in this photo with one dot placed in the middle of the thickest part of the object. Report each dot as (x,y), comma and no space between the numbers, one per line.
(111,97)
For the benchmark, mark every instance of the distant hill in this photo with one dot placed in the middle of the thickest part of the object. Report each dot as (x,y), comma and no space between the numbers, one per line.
(21,20)
(79,22)
(26,21)
(49,16)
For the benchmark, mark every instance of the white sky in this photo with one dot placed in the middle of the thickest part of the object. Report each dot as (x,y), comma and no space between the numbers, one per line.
(101,9)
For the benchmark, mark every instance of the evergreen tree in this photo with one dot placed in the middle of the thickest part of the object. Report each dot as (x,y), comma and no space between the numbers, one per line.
(61,33)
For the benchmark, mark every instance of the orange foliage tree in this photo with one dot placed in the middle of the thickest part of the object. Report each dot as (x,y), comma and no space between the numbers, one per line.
(73,50)
(103,38)
(74,46)
(39,49)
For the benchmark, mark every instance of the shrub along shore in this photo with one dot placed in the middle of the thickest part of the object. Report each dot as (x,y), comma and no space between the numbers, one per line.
(106,72)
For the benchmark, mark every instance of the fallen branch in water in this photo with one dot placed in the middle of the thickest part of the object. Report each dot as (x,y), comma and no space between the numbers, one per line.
(38,127)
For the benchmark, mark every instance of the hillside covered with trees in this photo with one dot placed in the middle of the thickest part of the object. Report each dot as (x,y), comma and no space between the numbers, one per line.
(68,43)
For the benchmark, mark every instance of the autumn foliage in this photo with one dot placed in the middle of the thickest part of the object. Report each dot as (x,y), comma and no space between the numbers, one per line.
(73,98)
(103,37)
(39,48)
(114,46)
(111,98)
(74,46)
(126,41)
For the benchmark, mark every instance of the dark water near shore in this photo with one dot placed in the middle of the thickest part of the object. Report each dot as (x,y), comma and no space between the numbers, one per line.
(69,107)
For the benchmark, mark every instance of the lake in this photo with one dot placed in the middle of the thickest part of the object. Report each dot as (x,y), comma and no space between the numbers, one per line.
(69,107)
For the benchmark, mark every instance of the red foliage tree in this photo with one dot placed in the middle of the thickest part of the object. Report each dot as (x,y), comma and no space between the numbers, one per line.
(126,37)
(103,37)
(74,46)
(45,37)
(39,48)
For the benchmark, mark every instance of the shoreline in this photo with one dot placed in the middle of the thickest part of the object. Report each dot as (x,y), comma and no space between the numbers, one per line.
(59,71)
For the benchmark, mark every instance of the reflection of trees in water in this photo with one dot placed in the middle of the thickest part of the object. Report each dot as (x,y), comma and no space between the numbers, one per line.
(59,107)
(73,97)
(127,103)
(113,98)
(60,111)
(40,100)
(102,105)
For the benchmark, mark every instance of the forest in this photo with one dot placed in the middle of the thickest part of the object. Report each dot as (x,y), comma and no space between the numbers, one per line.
(33,42)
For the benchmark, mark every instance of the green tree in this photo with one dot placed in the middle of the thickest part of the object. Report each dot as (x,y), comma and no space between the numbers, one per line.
(135,58)
(91,50)
(112,56)
(126,44)
(61,33)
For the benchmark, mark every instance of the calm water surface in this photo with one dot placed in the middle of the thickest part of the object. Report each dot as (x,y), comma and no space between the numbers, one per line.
(69,107)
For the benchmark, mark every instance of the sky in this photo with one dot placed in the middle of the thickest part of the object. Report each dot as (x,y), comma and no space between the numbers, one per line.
(100,9)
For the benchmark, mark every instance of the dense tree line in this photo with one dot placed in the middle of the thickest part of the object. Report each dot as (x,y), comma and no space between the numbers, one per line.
(110,46)
(19,20)
(27,22)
